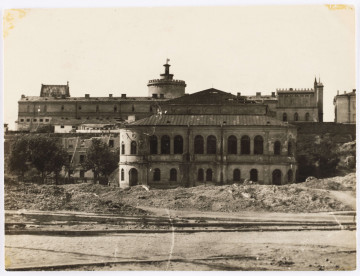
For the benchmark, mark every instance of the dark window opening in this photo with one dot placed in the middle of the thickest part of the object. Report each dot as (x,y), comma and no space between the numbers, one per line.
(62,107)
(21,120)
(61,126)
(122,148)
(245,145)
(82,174)
(111,143)
(153,145)
(27,120)
(307,117)
(276,177)
(290,149)
(284,117)
(211,145)
(236,175)
(200,175)
(156,175)
(277,148)
(165,144)
(122,174)
(209,175)
(290,176)
(199,144)
(82,158)
(41,120)
(254,175)
(46,120)
(133,147)
(258,145)
(173,175)
(232,145)
(115,108)
(132,108)
(296,117)
(34,120)
(178,144)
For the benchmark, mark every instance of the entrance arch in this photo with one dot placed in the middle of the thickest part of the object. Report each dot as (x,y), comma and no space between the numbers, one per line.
(133,177)
(276,177)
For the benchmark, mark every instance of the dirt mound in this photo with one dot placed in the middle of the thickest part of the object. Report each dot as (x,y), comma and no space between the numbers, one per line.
(83,197)
(338,183)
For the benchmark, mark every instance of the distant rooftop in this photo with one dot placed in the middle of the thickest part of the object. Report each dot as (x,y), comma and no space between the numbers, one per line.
(54,90)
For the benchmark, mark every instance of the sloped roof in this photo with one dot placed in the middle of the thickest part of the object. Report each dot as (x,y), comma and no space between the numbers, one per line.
(90,99)
(208,96)
(208,120)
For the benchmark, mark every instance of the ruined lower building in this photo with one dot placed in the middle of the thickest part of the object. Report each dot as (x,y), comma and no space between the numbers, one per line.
(189,150)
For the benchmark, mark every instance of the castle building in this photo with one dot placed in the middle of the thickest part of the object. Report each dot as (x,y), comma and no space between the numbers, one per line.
(345,107)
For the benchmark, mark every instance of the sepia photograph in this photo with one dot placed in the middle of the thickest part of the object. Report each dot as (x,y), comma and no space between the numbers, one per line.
(179,136)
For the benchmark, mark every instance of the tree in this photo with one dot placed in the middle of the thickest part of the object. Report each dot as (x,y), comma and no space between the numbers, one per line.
(100,159)
(47,155)
(19,156)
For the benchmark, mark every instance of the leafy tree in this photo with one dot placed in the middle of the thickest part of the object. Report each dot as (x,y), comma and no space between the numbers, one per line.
(19,156)
(100,159)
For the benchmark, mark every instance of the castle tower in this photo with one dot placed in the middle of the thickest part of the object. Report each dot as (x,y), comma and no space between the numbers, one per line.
(319,88)
(166,86)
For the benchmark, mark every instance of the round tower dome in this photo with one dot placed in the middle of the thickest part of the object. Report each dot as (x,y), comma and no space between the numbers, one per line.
(166,86)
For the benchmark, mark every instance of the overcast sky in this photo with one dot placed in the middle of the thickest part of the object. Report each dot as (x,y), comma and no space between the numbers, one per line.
(243,49)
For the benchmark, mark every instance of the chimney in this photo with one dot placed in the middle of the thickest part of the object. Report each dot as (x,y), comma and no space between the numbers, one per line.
(161,96)
(87,96)
(123,96)
(338,92)
(22,96)
(154,96)
(110,95)
(258,94)
(354,90)
(344,92)
(238,94)
(273,94)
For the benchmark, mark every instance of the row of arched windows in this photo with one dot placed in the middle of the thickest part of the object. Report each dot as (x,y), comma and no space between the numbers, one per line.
(157,175)
(296,117)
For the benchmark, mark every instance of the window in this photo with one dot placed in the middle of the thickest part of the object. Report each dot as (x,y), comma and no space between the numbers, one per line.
(276,177)
(82,174)
(153,144)
(165,144)
(74,127)
(79,107)
(173,175)
(133,147)
(156,175)
(296,117)
(46,120)
(254,175)
(178,144)
(70,146)
(35,120)
(245,145)
(211,145)
(97,108)
(284,117)
(69,158)
(122,148)
(151,109)
(122,175)
(232,145)
(258,145)
(290,176)
(277,148)
(209,175)
(290,149)
(200,175)
(21,120)
(236,175)
(61,126)
(82,158)
(41,120)
(27,120)
(132,108)
(199,144)
(115,108)
(307,116)
(62,107)
(111,143)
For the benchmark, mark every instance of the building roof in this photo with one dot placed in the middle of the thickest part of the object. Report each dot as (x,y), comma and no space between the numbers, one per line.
(73,122)
(295,90)
(209,96)
(90,99)
(208,120)
(51,90)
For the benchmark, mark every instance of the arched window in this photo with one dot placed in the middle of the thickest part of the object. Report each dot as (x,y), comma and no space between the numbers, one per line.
(132,108)
(296,117)
(153,144)
(122,175)
(258,145)
(173,175)
(199,144)
(122,148)
(254,175)
(62,107)
(200,175)
(178,144)
(284,117)
(133,147)
(290,176)
(232,145)
(290,149)
(156,175)
(245,145)
(211,145)
(276,177)
(307,116)
(115,108)
(209,175)
(236,175)
(165,144)
(277,148)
